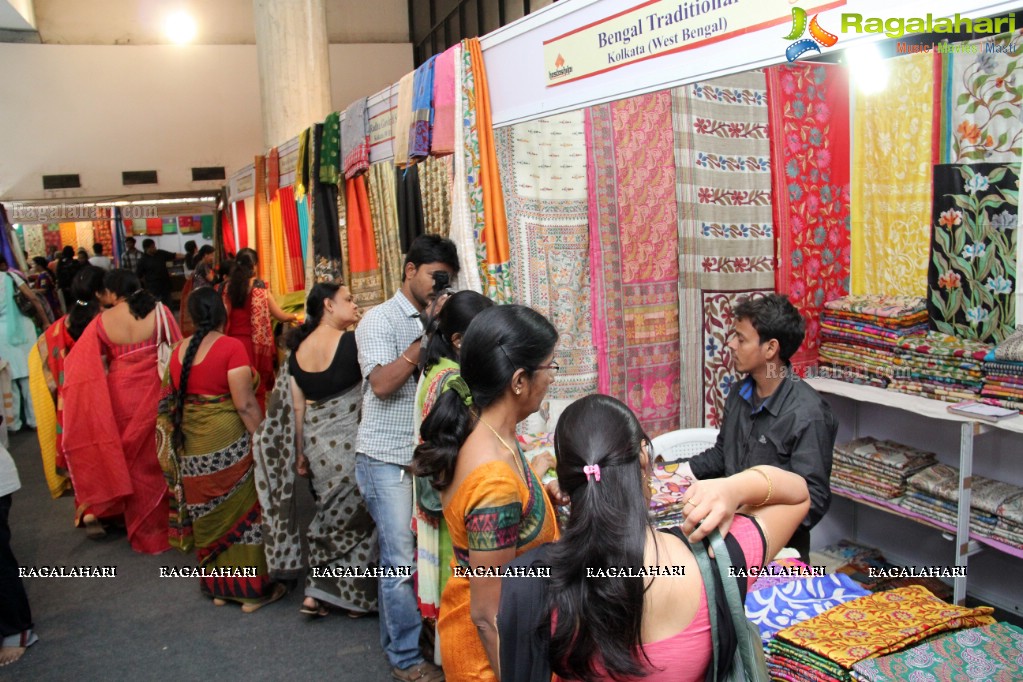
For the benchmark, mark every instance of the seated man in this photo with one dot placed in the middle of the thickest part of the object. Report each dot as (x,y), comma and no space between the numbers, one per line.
(771,416)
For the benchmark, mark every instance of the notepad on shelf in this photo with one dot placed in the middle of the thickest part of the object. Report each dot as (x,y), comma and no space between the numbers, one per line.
(978,410)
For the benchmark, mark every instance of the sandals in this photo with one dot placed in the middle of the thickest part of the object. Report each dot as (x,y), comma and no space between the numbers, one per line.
(317,610)
(94,530)
(13,647)
(278,593)
(421,672)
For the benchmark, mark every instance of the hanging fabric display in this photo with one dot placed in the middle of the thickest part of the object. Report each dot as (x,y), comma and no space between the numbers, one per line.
(84,233)
(241,223)
(35,242)
(403,118)
(169,226)
(362,254)
(101,231)
(725,228)
(443,140)
(891,196)
(249,240)
(462,231)
(302,164)
(543,165)
(330,150)
(977,105)
(273,172)
(51,233)
(435,188)
(226,235)
(326,239)
(410,205)
(355,138)
(808,113)
(154,226)
(420,128)
(279,267)
(342,232)
(119,236)
(634,263)
(488,204)
(383,210)
(971,281)
(302,211)
(293,240)
(262,243)
(69,235)
(207,226)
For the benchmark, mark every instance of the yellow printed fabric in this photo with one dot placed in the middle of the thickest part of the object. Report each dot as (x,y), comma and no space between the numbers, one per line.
(892,180)
(278,258)
(85,236)
(69,235)
(46,425)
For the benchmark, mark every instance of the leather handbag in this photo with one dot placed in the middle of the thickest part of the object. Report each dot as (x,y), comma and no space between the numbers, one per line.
(164,347)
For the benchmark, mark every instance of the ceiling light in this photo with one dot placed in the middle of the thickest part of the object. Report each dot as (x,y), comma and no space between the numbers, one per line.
(180,27)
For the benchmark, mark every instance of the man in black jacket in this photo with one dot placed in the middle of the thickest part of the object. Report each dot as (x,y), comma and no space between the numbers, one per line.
(772,416)
(152,270)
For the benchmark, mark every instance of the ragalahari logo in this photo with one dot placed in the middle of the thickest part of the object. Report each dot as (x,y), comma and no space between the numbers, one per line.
(804,45)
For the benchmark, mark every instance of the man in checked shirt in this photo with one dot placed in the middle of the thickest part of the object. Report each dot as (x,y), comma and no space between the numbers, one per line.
(388,339)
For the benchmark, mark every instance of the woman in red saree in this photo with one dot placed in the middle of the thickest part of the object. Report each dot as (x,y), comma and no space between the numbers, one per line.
(111,391)
(249,309)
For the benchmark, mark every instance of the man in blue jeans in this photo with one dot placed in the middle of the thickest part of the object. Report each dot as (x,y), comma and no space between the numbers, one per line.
(388,339)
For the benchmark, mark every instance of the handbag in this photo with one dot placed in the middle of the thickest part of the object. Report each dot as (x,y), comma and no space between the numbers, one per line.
(163,342)
(24,303)
(748,663)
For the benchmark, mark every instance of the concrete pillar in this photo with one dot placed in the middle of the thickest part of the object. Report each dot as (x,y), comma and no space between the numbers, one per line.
(294,66)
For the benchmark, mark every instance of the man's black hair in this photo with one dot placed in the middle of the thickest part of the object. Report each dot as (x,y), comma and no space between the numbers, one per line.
(431,248)
(774,317)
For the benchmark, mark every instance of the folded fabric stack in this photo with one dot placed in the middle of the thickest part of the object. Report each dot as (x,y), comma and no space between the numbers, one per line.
(780,606)
(934,492)
(827,646)
(877,467)
(939,366)
(992,652)
(667,485)
(856,561)
(1003,372)
(858,335)
(1009,528)
(842,553)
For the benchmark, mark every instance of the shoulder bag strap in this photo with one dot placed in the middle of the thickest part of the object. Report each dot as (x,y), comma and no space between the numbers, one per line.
(704,561)
(734,599)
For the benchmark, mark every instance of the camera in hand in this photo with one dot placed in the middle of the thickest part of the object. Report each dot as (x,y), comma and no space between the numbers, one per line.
(441,280)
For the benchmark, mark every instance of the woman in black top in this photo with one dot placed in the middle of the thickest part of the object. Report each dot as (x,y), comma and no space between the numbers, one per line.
(316,405)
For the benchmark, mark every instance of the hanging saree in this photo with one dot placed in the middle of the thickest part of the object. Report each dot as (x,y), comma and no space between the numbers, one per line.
(462,231)
(491,222)
(329,158)
(421,126)
(435,188)
(892,181)
(293,241)
(46,382)
(977,110)
(263,223)
(112,412)
(362,254)
(410,206)
(280,267)
(355,139)
(302,164)
(384,215)
(403,118)
(634,256)
(214,508)
(324,213)
(68,235)
(972,278)
(342,534)
(725,227)
(543,164)
(444,119)
(273,172)
(808,111)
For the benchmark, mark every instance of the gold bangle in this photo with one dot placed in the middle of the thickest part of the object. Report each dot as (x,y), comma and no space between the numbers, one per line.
(770,486)
(405,358)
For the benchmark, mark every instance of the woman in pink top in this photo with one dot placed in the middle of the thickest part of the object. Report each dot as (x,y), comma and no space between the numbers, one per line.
(585,624)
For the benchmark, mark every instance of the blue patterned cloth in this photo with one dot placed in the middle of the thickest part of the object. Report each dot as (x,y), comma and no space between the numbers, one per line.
(776,608)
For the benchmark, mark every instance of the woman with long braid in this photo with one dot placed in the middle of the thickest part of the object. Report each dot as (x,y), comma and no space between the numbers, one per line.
(112,386)
(206,447)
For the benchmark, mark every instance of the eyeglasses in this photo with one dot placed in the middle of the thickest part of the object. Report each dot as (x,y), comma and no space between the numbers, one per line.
(553,366)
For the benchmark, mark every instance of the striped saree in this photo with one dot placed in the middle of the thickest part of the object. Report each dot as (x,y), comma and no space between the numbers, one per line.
(214,508)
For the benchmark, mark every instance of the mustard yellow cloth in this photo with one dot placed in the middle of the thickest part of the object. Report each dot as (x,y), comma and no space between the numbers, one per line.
(46,425)
(278,258)
(892,180)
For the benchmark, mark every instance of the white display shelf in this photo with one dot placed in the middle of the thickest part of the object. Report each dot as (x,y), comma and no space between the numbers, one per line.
(968,428)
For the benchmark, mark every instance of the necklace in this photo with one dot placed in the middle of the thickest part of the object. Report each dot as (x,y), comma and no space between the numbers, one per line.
(515,455)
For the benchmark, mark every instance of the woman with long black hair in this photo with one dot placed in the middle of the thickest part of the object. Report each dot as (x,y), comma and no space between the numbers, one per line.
(206,450)
(493,503)
(586,623)
(112,386)
(311,424)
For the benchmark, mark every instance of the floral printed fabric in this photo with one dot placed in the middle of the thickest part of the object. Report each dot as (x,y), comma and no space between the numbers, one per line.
(993,653)
(890,307)
(980,103)
(543,166)
(808,108)
(892,180)
(780,606)
(879,624)
(971,280)
(725,227)
(633,256)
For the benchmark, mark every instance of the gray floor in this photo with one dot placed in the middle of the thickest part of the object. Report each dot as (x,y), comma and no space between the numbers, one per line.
(139,626)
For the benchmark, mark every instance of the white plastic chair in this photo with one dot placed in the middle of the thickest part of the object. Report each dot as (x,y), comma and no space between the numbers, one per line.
(678,446)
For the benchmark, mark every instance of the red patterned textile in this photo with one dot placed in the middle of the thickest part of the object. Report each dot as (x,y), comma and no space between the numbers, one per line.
(809,119)
(293,239)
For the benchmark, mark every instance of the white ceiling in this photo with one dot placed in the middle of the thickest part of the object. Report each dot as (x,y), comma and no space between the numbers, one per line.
(220,22)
